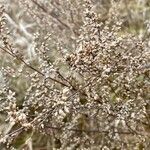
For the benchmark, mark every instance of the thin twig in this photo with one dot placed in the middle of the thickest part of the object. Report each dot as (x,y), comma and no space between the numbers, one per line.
(31,67)
(45,10)
(89,131)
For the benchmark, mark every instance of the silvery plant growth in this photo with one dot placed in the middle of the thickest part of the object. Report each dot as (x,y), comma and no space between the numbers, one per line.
(73,76)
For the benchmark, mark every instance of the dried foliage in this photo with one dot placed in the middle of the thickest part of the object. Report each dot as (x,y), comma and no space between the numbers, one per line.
(72,76)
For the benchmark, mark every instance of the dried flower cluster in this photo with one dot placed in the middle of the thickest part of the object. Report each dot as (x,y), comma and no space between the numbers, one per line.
(84,88)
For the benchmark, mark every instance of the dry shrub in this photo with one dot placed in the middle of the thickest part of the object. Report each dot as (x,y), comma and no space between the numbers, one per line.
(72,78)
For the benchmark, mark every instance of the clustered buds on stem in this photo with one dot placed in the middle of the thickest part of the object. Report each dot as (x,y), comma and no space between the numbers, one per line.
(97,95)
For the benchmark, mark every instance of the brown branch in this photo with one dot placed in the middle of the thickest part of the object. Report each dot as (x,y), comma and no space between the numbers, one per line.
(50,13)
(89,131)
(31,67)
